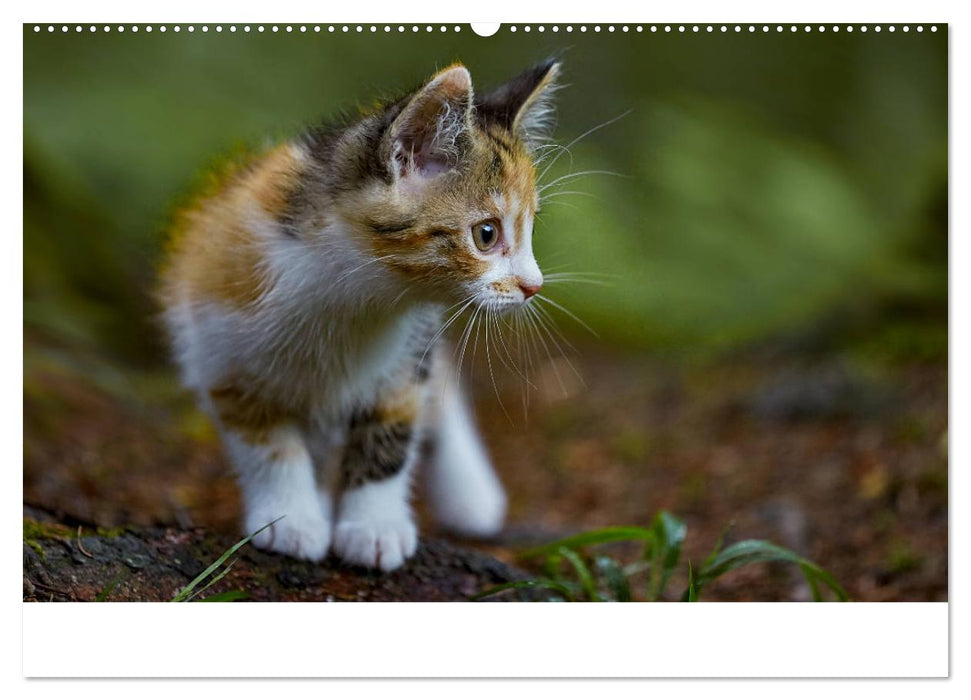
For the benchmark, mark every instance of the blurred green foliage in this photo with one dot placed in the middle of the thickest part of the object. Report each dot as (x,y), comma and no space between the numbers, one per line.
(769,182)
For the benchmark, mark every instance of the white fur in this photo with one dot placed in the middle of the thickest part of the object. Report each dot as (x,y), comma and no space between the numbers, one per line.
(375,527)
(464,491)
(278,486)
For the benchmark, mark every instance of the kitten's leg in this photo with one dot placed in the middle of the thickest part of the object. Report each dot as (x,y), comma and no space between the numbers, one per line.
(276,477)
(463,489)
(326,441)
(375,527)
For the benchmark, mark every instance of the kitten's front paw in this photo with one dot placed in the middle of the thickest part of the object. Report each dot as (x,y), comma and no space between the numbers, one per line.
(302,535)
(380,543)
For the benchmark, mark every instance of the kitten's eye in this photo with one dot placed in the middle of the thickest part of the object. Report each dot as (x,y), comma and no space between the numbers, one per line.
(486,235)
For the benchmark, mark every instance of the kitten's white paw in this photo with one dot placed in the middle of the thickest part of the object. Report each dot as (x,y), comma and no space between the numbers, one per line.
(302,534)
(476,509)
(380,543)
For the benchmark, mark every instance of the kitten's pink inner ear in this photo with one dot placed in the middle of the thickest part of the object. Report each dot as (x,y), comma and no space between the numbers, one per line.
(428,129)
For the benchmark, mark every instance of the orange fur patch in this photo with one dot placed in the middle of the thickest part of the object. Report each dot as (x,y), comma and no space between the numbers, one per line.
(403,406)
(214,254)
(245,412)
(272,183)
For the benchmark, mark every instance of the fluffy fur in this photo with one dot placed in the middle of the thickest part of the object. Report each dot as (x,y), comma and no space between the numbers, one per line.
(305,294)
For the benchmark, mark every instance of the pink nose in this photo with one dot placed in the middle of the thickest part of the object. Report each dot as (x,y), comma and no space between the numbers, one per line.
(529,289)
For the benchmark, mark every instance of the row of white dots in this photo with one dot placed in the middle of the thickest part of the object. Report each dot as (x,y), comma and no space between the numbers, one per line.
(245,28)
(513,28)
(695,28)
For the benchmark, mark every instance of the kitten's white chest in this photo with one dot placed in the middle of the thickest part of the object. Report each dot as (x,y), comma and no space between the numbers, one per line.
(356,360)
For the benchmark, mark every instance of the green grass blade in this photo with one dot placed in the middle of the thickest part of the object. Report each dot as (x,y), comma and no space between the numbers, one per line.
(820,574)
(673,532)
(214,580)
(551,566)
(594,537)
(813,585)
(718,545)
(547,584)
(690,594)
(587,581)
(225,597)
(669,534)
(755,551)
(186,592)
(615,577)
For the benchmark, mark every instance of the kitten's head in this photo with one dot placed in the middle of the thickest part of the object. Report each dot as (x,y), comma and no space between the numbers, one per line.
(449,196)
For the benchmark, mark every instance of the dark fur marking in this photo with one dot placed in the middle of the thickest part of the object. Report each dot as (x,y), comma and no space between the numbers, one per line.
(375,450)
(497,165)
(503,104)
(504,146)
(423,369)
(390,226)
(288,224)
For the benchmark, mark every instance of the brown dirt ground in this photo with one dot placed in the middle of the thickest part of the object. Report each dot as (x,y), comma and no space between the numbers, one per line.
(846,466)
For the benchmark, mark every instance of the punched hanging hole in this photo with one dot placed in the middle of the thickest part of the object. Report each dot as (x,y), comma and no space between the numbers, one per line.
(485,28)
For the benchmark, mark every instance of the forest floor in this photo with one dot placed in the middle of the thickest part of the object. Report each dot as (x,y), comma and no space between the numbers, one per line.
(845,465)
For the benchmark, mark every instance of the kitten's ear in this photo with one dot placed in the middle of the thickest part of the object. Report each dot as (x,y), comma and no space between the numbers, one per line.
(426,136)
(524,105)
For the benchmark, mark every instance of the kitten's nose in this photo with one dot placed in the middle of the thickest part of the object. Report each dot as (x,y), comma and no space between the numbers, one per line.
(529,289)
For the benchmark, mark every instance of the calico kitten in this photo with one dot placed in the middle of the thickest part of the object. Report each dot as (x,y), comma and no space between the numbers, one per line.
(304,299)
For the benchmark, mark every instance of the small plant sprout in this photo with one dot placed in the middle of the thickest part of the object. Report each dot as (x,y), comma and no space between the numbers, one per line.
(572,572)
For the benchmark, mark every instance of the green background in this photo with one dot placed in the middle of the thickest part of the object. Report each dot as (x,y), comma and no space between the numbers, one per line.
(771,185)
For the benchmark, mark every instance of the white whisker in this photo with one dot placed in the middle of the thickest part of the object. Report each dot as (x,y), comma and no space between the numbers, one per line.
(580,138)
(531,314)
(573,176)
(361,267)
(511,363)
(490,315)
(568,313)
(438,334)
(547,325)
(564,193)
(465,342)
(571,205)
(574,280)
(577,273)
(552,324)
(521,319)
(400,296)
